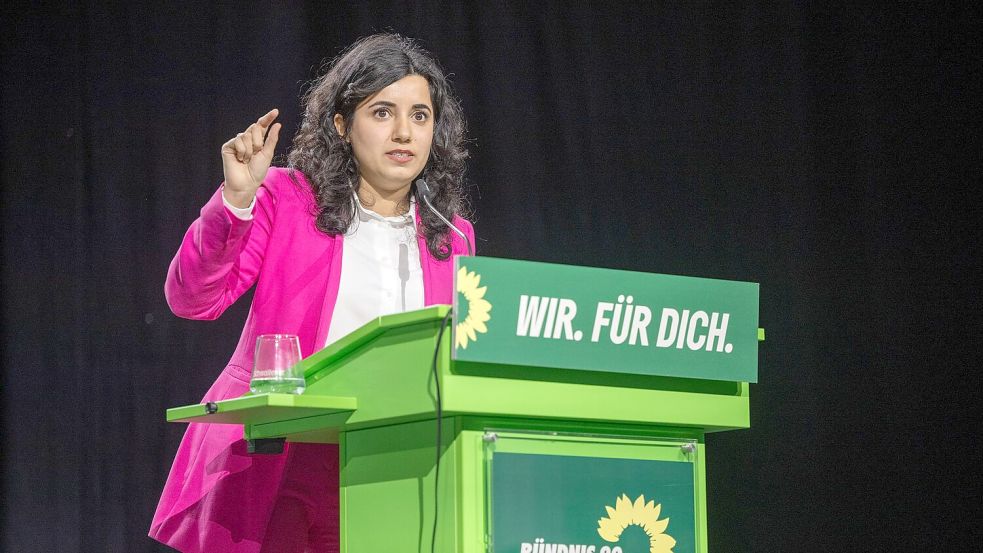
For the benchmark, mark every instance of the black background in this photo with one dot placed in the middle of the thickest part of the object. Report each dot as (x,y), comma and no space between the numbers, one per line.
(831,154)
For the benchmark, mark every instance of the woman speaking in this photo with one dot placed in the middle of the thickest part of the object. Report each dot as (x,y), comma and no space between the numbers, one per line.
(330,242)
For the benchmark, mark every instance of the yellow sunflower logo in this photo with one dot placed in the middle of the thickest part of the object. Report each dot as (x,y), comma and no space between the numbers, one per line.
(478,307)
(639,513)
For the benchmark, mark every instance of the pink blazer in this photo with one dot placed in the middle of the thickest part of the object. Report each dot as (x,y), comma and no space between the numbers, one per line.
(217,497)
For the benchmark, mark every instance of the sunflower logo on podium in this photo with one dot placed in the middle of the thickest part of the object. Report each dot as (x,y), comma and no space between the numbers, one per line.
(639,513)
(478,308)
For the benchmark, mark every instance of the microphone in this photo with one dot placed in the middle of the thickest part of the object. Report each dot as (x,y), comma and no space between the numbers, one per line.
(404,273)
(423,191)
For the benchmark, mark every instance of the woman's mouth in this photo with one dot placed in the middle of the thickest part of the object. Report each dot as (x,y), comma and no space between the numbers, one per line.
(400,156)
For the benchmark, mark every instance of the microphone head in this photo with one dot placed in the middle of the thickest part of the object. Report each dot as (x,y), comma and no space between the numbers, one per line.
(422,189)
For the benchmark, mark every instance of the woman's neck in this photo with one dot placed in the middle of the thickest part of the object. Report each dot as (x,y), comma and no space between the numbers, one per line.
(384,202)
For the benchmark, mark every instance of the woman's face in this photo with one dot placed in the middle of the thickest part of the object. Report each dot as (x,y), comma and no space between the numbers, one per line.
(390,133)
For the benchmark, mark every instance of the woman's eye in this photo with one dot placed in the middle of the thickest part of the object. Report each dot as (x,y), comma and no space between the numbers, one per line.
(420,116)
(381,113)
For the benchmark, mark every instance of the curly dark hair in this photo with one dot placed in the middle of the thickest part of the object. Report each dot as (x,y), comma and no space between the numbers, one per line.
(326,159)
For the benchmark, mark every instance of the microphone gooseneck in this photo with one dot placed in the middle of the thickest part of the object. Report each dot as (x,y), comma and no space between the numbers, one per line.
(423,191)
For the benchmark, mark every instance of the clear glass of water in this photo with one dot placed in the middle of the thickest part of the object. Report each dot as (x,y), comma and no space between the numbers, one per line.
(275,367)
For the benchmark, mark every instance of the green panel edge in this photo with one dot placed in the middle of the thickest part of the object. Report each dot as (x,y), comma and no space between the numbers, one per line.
(261,408)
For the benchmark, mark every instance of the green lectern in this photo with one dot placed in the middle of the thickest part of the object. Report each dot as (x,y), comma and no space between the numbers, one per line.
(553,409)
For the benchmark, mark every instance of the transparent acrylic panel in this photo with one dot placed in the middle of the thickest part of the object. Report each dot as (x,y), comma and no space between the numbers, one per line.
(586,493)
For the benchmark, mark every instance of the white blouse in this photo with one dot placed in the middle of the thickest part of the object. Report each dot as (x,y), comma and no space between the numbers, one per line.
(380,268)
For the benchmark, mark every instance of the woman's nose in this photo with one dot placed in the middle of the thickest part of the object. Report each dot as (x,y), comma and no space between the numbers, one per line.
(402,131)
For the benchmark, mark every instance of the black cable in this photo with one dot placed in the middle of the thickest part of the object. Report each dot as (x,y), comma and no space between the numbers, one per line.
(436,471)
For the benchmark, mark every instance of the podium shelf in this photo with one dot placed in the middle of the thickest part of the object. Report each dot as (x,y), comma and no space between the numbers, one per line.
(262,409)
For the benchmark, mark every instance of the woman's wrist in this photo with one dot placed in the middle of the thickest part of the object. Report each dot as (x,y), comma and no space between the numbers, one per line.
(241,200)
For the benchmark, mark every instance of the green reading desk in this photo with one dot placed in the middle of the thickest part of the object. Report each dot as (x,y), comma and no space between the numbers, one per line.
(573,406)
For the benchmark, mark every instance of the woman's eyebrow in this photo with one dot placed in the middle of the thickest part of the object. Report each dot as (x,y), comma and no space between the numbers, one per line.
(387,104)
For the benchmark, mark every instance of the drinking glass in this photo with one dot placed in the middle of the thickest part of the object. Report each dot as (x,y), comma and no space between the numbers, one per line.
(275,366)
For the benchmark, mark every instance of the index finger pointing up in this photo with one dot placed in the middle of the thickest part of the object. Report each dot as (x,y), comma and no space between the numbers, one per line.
(268,119)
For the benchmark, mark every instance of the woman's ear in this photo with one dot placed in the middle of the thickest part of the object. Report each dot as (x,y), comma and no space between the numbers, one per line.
(339,124)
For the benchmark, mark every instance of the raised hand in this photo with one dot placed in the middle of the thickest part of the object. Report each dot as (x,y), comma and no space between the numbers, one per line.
(247,157)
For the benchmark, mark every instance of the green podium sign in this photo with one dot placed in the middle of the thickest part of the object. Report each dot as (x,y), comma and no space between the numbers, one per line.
(573,407)
(527,313)
(599,496)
